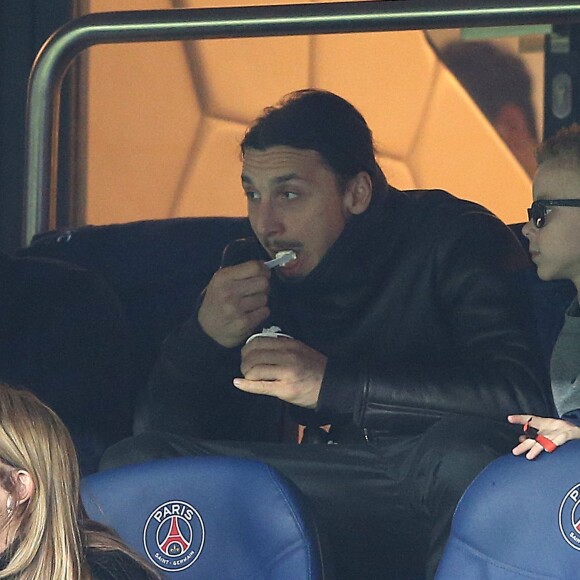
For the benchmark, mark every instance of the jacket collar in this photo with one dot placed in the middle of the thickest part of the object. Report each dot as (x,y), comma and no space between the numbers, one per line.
(322,306)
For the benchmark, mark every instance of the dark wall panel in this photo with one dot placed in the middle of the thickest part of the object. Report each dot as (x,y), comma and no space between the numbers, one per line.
(562,79)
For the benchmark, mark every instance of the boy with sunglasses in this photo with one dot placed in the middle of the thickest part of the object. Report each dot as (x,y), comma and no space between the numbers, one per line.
(534,504)
(553,231)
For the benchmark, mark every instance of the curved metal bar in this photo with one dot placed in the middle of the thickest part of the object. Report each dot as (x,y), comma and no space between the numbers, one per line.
(195,24)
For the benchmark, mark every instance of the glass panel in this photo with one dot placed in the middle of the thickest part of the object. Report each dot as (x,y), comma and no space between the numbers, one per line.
(165,119)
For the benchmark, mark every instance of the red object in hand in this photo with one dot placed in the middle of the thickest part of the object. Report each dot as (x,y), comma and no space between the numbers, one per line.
(546,443)
(533,433)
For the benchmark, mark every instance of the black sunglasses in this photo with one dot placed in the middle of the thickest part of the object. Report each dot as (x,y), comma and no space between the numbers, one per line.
(539,210)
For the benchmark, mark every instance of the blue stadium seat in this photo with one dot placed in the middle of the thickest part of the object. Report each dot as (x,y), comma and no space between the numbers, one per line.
(209,517)
(519,519)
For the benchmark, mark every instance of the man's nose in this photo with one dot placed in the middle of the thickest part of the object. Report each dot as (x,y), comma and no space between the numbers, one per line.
(267,220)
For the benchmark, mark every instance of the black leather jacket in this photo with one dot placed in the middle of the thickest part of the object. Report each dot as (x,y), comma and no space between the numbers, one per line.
(413,308)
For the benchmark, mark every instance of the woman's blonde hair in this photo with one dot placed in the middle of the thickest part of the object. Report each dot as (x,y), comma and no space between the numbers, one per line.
(53,530)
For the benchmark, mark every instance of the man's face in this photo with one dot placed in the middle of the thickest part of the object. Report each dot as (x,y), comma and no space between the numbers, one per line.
(294,203)
(555,248)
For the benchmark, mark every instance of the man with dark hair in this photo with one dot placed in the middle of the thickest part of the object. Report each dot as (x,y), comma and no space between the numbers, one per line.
(500,84)
(404,340)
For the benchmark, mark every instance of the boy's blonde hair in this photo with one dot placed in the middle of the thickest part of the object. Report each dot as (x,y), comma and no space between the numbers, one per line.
(564,144)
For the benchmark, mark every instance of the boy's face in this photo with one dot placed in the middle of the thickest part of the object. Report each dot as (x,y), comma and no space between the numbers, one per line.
(555,248)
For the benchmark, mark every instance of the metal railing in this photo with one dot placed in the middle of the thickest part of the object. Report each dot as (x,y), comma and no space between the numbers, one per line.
(62,47)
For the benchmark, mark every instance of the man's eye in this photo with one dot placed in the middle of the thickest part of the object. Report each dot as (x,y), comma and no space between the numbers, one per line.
(252,195)
(290,195)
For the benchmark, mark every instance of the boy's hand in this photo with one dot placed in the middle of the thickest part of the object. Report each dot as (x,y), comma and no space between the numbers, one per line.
(548,434)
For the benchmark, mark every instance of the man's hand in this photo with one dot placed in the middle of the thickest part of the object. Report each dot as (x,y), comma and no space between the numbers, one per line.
(556,430)
(235,302)
(283,368)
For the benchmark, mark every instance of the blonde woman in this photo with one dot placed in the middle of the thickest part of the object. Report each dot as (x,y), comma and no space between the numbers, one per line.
(44,531)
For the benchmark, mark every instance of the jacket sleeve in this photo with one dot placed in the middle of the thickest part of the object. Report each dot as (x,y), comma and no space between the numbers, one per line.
(572,417)
(190,392)
(492,367)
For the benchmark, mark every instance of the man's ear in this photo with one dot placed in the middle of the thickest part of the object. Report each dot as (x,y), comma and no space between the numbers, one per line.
(359,193)
(24,486)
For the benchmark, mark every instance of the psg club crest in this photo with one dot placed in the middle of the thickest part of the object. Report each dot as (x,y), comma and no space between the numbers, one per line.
(569,517)
(174,536)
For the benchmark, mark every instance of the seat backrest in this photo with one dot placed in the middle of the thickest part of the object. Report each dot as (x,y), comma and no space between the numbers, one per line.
(156,267)
(157,270)
(518,519)
(209,517)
